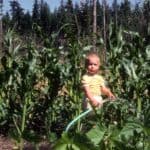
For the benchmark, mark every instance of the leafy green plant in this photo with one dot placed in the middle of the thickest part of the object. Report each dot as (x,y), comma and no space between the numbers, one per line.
(40,93)
(122,124)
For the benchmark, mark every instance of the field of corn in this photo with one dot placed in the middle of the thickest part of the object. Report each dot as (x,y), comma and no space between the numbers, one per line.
(40,93)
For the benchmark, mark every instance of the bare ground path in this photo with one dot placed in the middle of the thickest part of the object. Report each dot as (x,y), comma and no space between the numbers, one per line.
(7,144)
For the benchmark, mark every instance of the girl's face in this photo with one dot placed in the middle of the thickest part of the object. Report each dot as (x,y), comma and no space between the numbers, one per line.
(93,65)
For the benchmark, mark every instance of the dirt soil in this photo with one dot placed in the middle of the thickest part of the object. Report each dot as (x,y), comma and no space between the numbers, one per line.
(8,144)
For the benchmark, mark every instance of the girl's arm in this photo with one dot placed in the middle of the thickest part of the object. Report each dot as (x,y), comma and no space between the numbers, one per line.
(106,91)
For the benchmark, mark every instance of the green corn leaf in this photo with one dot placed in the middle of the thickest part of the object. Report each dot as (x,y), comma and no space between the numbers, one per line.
(132,66)
(96,134)
(128,130)
(10,80)
(16,50)
(32,64)
(148,52)
(76,142)
(132,33)
(87,48)
(126,66)
(120,37)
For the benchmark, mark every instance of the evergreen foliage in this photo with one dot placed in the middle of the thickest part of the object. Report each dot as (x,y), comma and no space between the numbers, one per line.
(78,16)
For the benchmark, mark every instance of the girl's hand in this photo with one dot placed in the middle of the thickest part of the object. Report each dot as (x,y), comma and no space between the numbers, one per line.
(96,103)
(111,96)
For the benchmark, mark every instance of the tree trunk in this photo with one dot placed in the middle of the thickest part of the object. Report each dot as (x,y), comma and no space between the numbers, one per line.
(1,28)
(104,33)
(94,24)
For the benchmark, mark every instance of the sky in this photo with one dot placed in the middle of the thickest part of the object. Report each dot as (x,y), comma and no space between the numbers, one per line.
(27,5)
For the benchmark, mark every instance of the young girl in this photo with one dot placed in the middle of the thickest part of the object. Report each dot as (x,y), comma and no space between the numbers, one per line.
(93,84)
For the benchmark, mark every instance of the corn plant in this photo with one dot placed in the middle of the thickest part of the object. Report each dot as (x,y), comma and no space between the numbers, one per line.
(18,79)
(25,84)
(40,93)
(122,124)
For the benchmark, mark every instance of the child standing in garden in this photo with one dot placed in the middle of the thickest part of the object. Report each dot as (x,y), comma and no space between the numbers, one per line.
(93,83)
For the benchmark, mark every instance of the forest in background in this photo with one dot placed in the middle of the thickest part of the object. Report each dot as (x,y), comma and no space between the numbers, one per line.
(79,17)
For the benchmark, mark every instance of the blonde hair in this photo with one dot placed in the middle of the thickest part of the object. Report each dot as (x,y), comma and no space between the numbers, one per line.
(91,54)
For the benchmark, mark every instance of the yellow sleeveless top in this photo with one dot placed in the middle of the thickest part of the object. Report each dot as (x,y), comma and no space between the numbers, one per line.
(94,82)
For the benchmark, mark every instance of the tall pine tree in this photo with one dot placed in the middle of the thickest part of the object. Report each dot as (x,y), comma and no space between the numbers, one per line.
(45,17)
(17,15)
(36,12)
